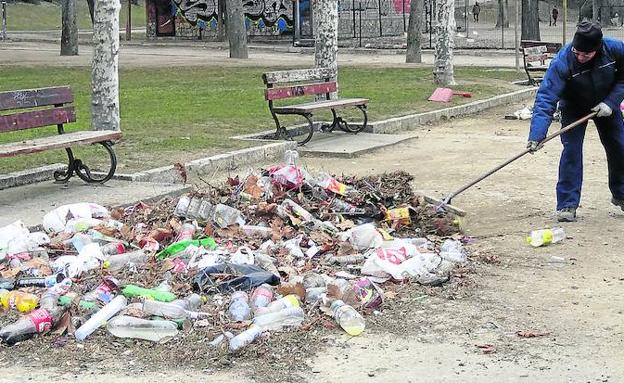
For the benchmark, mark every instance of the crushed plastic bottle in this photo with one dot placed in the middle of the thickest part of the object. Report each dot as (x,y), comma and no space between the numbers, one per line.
(546,237)
(192,302)
(244,338)
(291,316)
(168,310)
(130,327)
(289,301)
(104,292)
(132,291)
(291,157)
(129,259)
(36,322)
(225,216)
(107,312)
(261,296)
(239,309)
(348,318)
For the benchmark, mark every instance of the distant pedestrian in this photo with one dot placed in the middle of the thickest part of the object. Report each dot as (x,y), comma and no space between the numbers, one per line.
(476,9)
(555,15)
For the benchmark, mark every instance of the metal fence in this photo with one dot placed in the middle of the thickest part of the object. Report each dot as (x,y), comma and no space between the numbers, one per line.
(383,23)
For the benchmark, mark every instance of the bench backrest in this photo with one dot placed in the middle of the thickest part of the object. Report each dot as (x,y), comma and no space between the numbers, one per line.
(45,107)
(301,82)
(535,52)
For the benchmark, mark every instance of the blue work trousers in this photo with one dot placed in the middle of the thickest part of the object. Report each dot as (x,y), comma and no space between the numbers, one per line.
(611,132)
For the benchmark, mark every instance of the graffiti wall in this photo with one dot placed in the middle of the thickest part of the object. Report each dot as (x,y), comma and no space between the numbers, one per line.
(200,18)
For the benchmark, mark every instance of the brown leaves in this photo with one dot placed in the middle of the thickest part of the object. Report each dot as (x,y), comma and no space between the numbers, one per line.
(181,169)
(531,334)
(292,288)
(487,348)
(252,188)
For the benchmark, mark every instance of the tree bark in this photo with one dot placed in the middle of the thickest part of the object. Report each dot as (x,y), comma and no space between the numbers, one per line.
(445,30)
(325,15)
(414,31)
(69,31)
(236,32)
(105,67)
(530,20)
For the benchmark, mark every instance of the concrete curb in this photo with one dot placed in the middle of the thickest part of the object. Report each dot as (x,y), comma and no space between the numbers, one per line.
(29,176)
(411,122)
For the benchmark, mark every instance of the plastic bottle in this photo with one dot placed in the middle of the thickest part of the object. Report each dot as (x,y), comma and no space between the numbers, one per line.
(186,232)
(104,292)
(291,157)
(100,238)
(113,248)
(257,231)
(132,291)
(182,206)
(40,281)
(288,301)
(315,294)
(261,296)
(545,237)
(7,284)
(297,210)
(120,261)
(291,316)
(130,327)
(18,300)
(67,299)
(80,240)
(348,318)
(343,207)
(50,298)
(239,309)
(168,310)
(178,247)
(244,338)
(38,321)
(105,313)
(225,216)
(192,302)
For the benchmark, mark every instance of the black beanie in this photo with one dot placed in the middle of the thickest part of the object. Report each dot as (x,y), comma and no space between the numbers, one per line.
(588,37)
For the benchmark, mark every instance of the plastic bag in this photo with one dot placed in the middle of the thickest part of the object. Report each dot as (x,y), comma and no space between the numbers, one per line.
(247,277)
(290,177)
(243,256)
(453,251)
(363,237)
(404,262)
(15,238)
(56,220)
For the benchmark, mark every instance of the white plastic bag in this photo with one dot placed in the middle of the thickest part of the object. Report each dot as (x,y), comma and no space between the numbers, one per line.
(453,251)
(56,220)
(15,238)
(363,237)
(243,256)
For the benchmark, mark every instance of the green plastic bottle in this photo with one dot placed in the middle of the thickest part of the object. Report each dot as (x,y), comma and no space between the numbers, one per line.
(66,300)
(177,247)
(132,291)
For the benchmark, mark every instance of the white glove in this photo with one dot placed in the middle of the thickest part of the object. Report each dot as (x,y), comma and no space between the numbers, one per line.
(603,110)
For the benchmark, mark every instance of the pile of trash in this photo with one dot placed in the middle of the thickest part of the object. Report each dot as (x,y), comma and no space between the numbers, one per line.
(251,256)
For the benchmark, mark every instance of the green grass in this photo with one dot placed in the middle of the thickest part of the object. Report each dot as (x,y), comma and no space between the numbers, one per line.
(177,114)
(47,16)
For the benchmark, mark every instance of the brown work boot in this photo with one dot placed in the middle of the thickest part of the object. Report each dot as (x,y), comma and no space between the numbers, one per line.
(618,202)
(567,214)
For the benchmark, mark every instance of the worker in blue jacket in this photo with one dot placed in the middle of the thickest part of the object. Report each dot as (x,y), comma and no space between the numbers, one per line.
(585,76)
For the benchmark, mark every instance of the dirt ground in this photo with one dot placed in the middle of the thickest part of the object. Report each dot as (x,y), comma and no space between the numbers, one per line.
(573,291)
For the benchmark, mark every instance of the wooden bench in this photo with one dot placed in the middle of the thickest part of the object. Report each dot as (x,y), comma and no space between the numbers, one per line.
(537,56)
(306,82)
(38,108)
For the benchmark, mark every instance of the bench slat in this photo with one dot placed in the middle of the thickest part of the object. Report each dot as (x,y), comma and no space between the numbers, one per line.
(37,118)
(58,142)
(299,90)
(31,98)
(313,74)
(329,104)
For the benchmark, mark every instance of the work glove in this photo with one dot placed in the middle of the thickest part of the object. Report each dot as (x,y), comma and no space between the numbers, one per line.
(533,146)
(603,110)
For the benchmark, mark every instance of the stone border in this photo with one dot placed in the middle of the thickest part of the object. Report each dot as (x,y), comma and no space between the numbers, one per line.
(29,176)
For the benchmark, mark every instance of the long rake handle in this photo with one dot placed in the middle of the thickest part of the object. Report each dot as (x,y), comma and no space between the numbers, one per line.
(573,125)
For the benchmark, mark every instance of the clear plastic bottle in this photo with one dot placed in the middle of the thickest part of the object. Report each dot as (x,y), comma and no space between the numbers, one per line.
(113,248)
(187,231)
(104,292)
(120,261)
(168,310)
(291,157)
(315,294)
(40,281)
(18,300)
(192,302)
(348,318)
(546,237)
(239,309)
(289,301)
(261,296)
(35,322)
(130,327)
(291,316)
(244,338)
(257,231)
(105,313)
(225,216)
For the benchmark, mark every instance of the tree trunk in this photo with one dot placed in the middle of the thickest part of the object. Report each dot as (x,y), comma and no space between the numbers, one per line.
(105,67)
(236,32)
(69,31)
(325,15)
(530,20)
(414,31)
(445,31)
(221,32)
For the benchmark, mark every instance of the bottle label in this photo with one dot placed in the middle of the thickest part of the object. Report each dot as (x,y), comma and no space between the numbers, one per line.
(41,319)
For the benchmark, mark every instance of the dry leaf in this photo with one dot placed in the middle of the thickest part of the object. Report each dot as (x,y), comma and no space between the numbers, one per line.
(345,248)
(181,169)
(531,334)
(289,288)
(63,324)
(233,181)
(252,188)
(266,208)
(487,348)
(320,237)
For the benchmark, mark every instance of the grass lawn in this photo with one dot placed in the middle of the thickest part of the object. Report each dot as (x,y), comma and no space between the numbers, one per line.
(178,114)
(47,16)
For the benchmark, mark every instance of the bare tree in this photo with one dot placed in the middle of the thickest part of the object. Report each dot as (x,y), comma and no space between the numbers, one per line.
(530,20)
(445,31)
(414,31)
(105,67)
(236,31)
(69,31)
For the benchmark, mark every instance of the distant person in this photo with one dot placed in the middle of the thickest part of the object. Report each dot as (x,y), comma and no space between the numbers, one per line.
(555,15)
(476,9)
